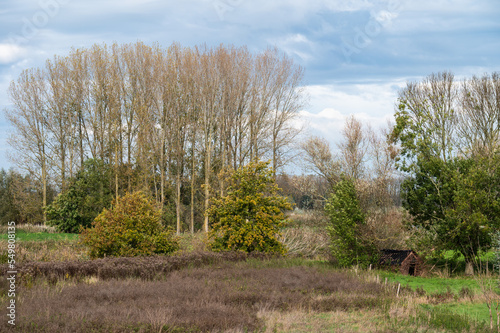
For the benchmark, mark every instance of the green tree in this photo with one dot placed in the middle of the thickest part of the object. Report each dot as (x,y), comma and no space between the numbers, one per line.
(458,200)
(349,246)
(249,217)
(132,227)
(27,197)
(456,197)
(8,210)
(89,193)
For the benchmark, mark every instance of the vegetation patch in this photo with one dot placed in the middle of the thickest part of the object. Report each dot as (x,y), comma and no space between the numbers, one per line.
(120,268)
(434,285)
(213,298)
(22,236)
(132,227)
(250,216)
(474,311)
(45,250)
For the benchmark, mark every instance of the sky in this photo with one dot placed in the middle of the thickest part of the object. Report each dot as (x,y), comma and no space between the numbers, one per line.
(357,54)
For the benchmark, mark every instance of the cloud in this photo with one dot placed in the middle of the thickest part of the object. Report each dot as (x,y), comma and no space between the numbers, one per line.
(329,124)
(10,53)
(370,102)
(415,39)
(296,45)
(373,97)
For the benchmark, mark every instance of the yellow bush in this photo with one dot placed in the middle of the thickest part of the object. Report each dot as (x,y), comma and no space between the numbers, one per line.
(131,227)
(250,216)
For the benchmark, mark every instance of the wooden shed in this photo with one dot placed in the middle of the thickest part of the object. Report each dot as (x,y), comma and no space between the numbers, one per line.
(403,261)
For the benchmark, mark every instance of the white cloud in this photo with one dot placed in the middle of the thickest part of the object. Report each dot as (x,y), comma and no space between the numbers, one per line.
(375,98)
(296,45)
(416,39)
(9,53)
(329,123)
(371,103)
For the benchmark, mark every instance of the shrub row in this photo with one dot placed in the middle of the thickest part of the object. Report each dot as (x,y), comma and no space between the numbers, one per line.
(124,267)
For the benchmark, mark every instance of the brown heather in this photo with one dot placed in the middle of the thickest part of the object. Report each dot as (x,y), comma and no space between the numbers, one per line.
(121,267)
(221,297)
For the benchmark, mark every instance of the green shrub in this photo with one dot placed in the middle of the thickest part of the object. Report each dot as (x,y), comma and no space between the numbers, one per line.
(132,227)
(250,216)
(88,194)
(349,246)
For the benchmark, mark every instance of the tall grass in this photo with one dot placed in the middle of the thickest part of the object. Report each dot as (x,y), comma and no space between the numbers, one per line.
(44,251)
(220,297)
(29,228)
(306,242)
(194,290)
(22,235)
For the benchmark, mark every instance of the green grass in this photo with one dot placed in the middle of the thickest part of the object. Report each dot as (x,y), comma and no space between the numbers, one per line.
(475,311)
(447,318)
(448,313)
(432,285)
(22,235)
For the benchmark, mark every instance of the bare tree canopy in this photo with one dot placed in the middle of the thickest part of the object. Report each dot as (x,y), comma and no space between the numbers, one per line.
(166,120)
(454,117)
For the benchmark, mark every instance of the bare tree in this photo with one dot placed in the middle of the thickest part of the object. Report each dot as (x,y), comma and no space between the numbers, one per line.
(60,118)
(382,152)
(141,109)
(432,103)
(353,149)
(29,117)
(209,107)
(319,159)
(288,98)
(479,115)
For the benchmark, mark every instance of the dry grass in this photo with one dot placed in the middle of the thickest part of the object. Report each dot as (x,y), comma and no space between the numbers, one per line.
(48,250)
(306,235)
(146,268)
(308,218)
(223,297)
(212,294)
(30,228)
(306,242)
(366,321)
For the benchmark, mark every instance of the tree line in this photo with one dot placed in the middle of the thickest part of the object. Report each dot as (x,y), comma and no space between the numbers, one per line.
(166,121)
(440,161)
(449,136)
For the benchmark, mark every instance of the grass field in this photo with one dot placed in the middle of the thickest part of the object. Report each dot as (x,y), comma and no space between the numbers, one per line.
(249,295)
(476,311)
(433,285)
(42,243)
(464,297)
(22,235)
(199,291)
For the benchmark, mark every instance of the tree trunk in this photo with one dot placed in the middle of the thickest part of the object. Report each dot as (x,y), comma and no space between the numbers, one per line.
(178,203)
(207,182)
(193,175)
(469,268)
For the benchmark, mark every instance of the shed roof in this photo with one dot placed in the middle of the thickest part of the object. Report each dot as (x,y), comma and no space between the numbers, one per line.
(395,257)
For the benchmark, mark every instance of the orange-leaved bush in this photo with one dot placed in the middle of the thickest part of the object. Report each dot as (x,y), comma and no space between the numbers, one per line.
(250,216)
(131,227)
